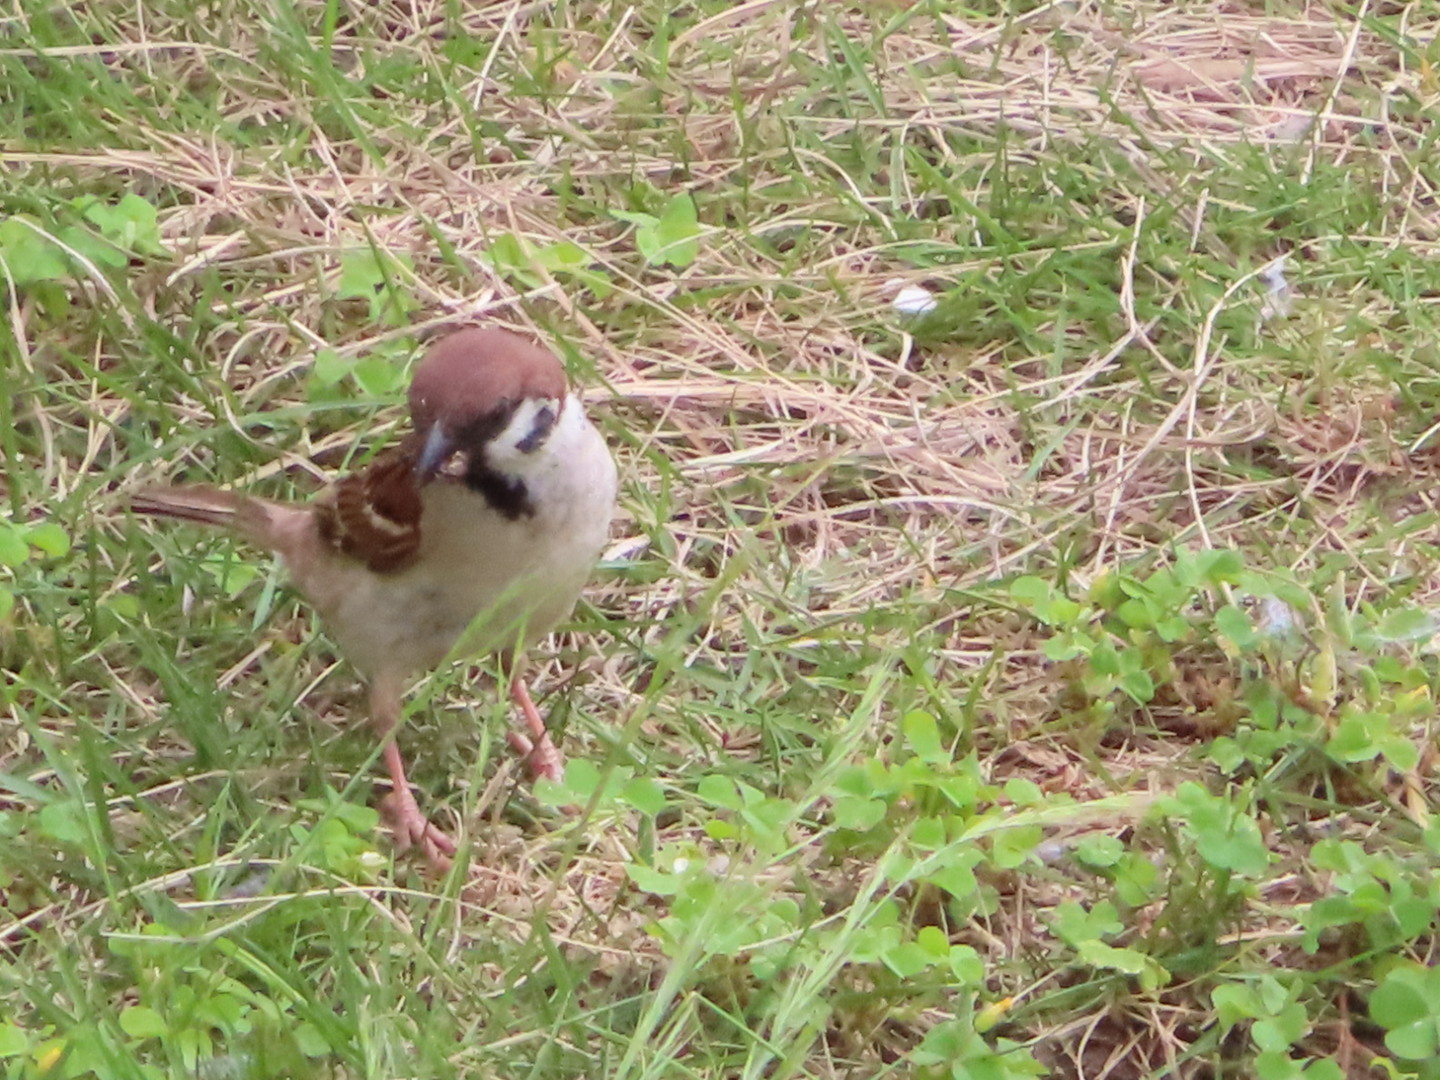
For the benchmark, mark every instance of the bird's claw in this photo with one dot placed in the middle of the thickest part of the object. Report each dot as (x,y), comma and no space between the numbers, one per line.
(541,757)
(412,829)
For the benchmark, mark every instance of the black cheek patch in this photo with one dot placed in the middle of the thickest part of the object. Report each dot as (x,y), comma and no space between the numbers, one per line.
(544,424)
(507,496)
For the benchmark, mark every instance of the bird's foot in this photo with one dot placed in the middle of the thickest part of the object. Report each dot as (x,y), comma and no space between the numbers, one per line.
(536,748)
(411,828)
(541,757)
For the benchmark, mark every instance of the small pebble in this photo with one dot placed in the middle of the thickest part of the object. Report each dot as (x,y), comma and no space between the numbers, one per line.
(914,300)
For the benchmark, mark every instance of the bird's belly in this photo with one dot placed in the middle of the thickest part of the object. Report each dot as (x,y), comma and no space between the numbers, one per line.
(430,617)
(472,591)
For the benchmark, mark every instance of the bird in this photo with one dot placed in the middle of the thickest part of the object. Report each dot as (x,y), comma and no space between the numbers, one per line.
(475,534)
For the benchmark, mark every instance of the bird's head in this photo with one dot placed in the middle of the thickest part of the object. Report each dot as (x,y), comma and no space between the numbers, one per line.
(484,403)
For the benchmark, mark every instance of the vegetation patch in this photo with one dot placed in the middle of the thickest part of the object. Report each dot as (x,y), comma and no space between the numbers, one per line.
(1015,655)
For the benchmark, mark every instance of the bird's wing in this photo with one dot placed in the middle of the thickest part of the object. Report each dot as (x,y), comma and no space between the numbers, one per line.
(374,515)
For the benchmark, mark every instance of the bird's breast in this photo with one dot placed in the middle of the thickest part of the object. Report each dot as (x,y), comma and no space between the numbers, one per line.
(483,581)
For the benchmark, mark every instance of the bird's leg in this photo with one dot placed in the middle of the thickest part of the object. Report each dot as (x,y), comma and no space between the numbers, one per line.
(407,822)
(537,748)
(401,811)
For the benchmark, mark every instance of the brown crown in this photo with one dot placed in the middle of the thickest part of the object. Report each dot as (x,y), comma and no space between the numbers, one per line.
(475,373)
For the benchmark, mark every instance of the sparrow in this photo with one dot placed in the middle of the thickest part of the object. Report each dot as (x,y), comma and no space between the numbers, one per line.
(474,535)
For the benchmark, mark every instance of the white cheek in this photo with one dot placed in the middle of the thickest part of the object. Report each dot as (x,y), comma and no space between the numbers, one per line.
(503,452)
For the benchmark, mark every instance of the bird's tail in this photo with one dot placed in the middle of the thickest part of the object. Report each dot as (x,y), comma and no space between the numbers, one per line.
(196,502)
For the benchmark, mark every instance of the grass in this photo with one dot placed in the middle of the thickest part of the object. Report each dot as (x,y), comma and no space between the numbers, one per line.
(1042,684)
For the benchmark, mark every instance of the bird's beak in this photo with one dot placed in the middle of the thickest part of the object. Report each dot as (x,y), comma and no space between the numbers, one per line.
(437,448)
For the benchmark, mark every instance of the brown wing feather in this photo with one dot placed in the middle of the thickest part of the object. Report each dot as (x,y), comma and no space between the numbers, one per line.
(374,515)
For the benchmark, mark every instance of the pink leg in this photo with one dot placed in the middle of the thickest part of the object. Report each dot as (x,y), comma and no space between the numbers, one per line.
(401,811)
(537,748)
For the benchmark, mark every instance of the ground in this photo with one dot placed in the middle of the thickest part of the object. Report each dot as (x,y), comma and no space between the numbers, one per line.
(1015,652)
